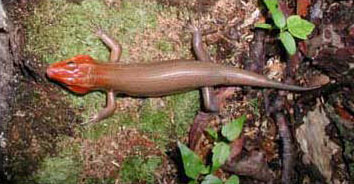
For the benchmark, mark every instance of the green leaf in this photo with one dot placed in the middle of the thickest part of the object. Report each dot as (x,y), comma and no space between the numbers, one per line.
(193,165)
(193,182)
(288,42)
(271,4)
(211,179)
(278,18)
(212,133)
(221,152)
(233,130)
(233,180)
(263,26)
(277,15)
(298,27)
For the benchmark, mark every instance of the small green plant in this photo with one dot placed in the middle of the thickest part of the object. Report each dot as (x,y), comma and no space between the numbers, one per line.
(253,104)
(293,26)
(194,166)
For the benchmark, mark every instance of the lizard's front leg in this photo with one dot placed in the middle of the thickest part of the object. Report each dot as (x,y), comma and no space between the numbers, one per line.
(108,110)
(116,52)
(116,48)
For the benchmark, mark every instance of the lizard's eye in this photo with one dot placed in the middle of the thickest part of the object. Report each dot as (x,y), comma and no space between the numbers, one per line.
(71,64)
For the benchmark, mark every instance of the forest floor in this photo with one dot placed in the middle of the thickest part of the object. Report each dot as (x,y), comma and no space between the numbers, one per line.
(287,137)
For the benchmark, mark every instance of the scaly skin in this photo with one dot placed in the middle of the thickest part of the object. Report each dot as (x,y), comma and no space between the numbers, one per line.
(82,74)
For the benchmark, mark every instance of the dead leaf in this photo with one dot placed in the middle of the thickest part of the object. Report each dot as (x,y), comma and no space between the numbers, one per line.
(317,147)
(302,7)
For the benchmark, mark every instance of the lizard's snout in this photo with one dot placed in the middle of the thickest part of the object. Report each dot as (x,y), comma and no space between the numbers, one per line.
(50,72)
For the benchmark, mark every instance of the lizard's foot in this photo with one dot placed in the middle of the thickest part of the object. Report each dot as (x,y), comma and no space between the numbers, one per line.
(92,119)
(193,26)
(115,46)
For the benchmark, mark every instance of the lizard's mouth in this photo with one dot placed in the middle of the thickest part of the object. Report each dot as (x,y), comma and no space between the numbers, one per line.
(78,89)
(50,73)
(67,79)
(58,74)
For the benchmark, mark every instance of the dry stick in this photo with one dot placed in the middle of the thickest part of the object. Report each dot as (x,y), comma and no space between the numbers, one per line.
(287,146)
(284,132)
(276,111)
(288,151)
(258,54)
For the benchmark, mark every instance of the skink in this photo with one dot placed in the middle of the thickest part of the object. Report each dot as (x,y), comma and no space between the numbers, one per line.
(83,74)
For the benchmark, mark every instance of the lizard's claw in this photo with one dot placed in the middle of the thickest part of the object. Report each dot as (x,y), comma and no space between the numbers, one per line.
(96,29)
(99,32)
(91,120)
(192,26)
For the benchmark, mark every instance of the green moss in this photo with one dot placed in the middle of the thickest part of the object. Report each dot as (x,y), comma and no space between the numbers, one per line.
(162,124)
(60,30)
(184,107)
(139,170)
(107,127)
(167,123)
(155,122)
(58,170)
(100,181)
(164,46)
(64,168)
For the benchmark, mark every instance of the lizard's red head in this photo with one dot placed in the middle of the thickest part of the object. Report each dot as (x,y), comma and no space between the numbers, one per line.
(74,73)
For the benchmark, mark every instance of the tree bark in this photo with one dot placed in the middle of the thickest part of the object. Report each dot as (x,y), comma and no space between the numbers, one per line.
(6,88)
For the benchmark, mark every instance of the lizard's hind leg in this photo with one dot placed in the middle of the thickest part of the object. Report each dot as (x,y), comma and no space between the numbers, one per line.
(210,99)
